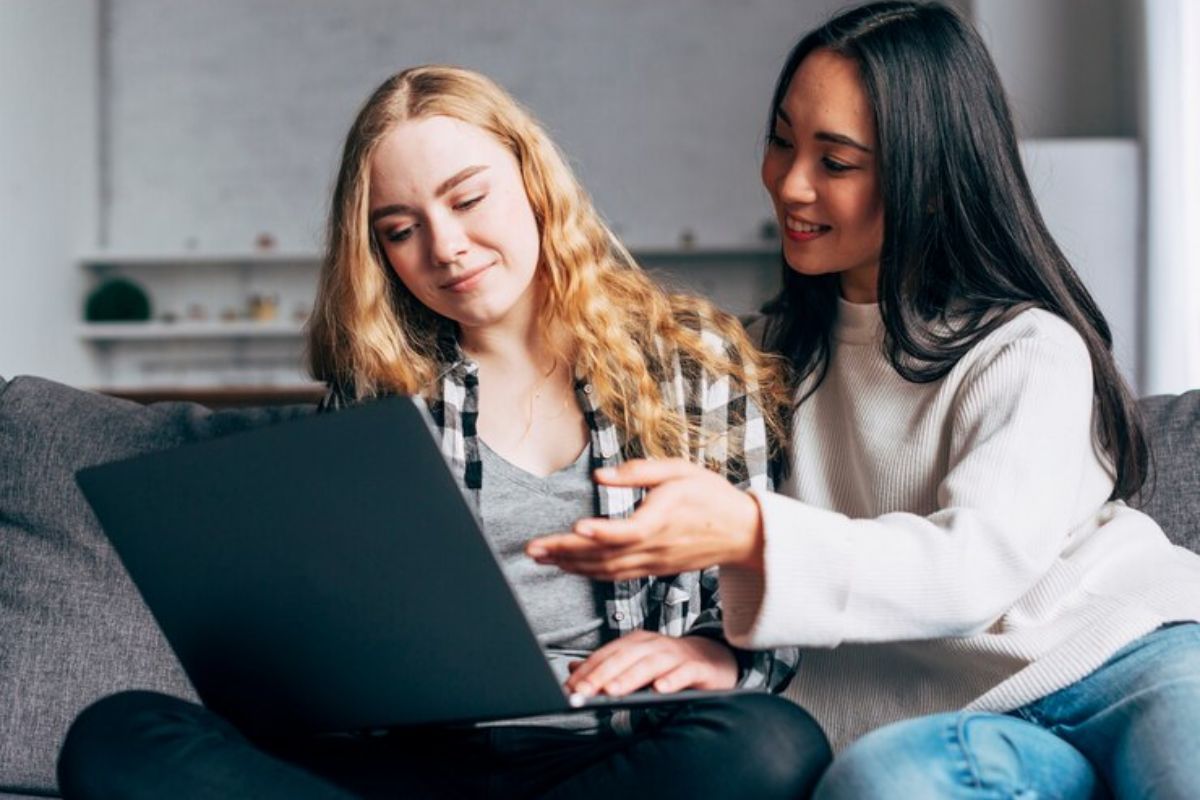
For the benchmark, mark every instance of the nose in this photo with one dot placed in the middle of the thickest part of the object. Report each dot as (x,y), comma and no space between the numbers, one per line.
(793,184)
(448,241)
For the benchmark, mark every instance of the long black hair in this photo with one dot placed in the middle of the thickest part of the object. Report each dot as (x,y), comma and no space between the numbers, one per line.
(965,248)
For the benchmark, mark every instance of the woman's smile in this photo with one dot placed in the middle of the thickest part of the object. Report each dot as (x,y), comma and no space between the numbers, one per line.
(799,230)
(468,280)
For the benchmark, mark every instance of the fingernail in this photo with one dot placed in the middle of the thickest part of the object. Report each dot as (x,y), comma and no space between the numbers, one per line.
(537,552)
(583,529)
(605,473)
(585,688)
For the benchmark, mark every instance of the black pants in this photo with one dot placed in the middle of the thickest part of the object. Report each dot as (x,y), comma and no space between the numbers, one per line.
(147,745)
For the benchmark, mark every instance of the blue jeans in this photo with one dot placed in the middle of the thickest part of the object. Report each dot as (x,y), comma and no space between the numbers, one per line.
(1130,729)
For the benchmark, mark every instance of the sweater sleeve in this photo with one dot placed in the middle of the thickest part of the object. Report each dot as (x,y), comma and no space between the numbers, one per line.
(1020,438)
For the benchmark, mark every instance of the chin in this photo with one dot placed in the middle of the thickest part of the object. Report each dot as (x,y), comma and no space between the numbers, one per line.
(477,315)
(801,268)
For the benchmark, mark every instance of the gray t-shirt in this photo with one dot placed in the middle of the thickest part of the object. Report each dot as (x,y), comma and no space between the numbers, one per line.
(565,611)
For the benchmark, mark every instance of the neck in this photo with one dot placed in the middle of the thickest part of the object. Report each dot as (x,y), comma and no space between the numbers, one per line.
(493,346)
(861,285)
(510,340)
(513,342)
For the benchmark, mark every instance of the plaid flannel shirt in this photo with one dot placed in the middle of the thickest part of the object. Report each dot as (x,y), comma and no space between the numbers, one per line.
(732,441)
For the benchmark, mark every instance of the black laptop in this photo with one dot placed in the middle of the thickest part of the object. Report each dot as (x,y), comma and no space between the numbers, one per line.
(327,574)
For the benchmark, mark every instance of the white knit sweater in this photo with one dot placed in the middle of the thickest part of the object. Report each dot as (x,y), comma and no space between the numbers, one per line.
(949,545)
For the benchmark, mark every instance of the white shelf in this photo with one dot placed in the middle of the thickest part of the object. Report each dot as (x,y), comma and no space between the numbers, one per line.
(749,253)
(211,351)
(96,261)
(162,331)
(99,260)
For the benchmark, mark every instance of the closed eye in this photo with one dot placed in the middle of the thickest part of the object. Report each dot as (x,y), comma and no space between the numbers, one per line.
(837,167)
(398,235)
(466,205)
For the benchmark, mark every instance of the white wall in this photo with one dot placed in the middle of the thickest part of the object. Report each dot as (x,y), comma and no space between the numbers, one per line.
(1073,72)
(1087,191)
(1172,139)
(228,117)
(1070,67)
(48,191)
(225,121)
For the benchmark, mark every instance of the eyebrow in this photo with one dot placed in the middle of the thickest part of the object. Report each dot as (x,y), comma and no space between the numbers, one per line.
(443,187)
(827,136)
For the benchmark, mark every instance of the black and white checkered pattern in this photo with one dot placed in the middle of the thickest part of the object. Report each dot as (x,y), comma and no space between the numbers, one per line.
(731,440)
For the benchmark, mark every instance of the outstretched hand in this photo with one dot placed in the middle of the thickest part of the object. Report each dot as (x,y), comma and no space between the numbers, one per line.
(691,519)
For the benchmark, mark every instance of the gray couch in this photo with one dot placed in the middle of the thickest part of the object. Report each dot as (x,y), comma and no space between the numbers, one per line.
(72,627)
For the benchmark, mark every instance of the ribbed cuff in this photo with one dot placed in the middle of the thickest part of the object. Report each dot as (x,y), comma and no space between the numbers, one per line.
(802,594)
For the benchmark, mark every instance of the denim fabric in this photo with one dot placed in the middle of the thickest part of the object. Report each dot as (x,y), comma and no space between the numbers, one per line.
(1130,729)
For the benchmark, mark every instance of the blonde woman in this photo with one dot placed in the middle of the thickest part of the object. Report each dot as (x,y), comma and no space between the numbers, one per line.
(466,266)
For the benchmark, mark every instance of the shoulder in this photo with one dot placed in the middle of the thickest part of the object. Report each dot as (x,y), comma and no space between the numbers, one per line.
(1035,361)
(756,324)
(1033,335)
(712,329)
(1037,324)
(710,367)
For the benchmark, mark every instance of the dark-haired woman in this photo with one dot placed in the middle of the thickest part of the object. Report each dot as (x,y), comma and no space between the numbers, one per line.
(982,615)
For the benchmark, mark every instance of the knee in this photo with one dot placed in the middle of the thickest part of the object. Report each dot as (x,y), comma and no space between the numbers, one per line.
(103,740)
(938,755)
(958,754)
(897,760)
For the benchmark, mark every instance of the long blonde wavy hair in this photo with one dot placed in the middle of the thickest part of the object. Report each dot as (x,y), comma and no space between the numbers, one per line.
(368,335)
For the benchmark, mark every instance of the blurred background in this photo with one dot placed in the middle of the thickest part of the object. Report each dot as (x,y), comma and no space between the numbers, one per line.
(165,165)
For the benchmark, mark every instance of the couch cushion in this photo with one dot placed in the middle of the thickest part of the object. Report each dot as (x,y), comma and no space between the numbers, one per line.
(72,626)
(1173,496)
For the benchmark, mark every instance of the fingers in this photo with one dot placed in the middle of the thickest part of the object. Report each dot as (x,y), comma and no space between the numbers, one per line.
(688,675)
(615,532)
(627,665)
(548,549)
(669,664)
(663,508)
(609,567)
(581,556)
(568,544)
(653,515)
(650,519)
(580,670)
(646,472)
(625,678)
